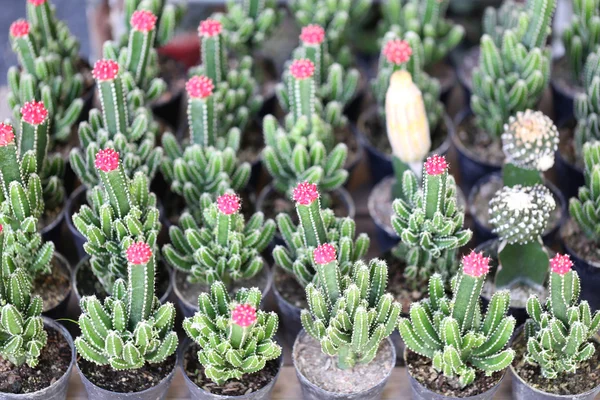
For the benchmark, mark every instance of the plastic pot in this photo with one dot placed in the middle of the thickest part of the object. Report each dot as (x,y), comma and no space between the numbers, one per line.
(469,60)
(53,231)
(76,199)
(58,390)
(483,232)
(60,310)
(563,91)
(569,176)
(197,393)
(380,163)
(310,391)
(420,392)
(290,313)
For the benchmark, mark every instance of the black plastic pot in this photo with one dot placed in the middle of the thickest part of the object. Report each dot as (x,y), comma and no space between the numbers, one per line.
(197,393)
(169,109)
(380,164)
(471,167)
(310,391)
(420,392)
(289,313)
(53,231)
(483,233)
(563,91)
(76,199)
(60,310)
(469,60)
(569,176)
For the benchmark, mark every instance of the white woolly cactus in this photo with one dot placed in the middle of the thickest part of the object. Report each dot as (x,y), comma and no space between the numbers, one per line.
(530,140)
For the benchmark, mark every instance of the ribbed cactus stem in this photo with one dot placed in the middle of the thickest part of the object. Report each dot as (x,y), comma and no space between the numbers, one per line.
(328,271)
(541,12)
(435,174)
(253,7)
(140,282)
(34,131)
(466,297)
(40,13)
(213,51)
(308,207)
(9,165)
(229,205)
(564,291)
(114,180)
(141,43)
(112,97)
(202,113)
(314,49)
(23,45)
(302,89)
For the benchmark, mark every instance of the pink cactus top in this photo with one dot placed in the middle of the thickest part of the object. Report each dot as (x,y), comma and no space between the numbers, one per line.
(105,70)
(229,203)
(19,28)
(143,21)
(199,87)
(209,28)
(561,264)
(7,134)
(475,264)
(243,315)
(312,34)
(324,254)
(305,193)
(436,165)
(36,2)
(302,69)
(139,253)
(107,160)
(34,113)
(397,51)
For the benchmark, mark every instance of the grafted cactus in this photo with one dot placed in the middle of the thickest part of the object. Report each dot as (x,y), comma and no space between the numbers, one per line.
(350,315)
(509,16)
(584,208)
(120,211)
(559,338)
(168,16)
(587,105)
(429,223)
(454,333)
(130,328)
(225,248)
(22,335)
(235,337)
(236,88)
(316,227)
(122,124)
(427,18)
(582,36)
(249,23)
(53,32)
(407,54)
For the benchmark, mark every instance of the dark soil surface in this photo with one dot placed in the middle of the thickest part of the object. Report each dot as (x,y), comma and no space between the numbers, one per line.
(444,73)
(479,143)
(562,77)
(127,381)
(276,203)
(49,216)
(398,286)
(248,384)
(53,287)
(566,146)
(289,288)
(469,62)
(173,73)
(253,142)
(54,362)
(585,379)
(322,370)
(420,368)
(345,135)
(581,244)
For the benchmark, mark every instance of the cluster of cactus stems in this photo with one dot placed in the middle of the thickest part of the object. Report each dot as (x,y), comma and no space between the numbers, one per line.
(559,337)
(512,76)
(209,162)
(120,211)
(249,23)
(168,15)
(509,16)
(235,87)
(582,36)
(235,336)
(587,105)
(429,223)
(584,208)
(406,53)
(304,150)
(427,19)
(226,248)
(122,124)
(130,328)
(349,314)
(316,228)
(454,333)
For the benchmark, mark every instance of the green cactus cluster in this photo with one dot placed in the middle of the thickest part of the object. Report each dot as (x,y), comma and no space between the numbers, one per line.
(130,328)
(584,208)
(587,105)
(429,223)
(559,336)
(509,16)
(454,332)
(316,227)
(120,211)
(225,247)
(582,37)
(349,314)
(235,336)
(426,18)
(168,15)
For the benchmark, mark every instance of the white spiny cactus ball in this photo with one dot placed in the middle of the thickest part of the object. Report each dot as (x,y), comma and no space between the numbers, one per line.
(530,140)
(519,214)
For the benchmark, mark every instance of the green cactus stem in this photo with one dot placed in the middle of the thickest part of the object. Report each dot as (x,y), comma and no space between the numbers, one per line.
(112,97)
(587,106)
(214,61)
(509,16)
(301,87)
(583,207)
(24,45)
(168,16)
(141,41)
(202,111)
(582,36)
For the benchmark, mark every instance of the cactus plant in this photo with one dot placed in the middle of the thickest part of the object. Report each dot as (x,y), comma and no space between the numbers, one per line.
(509,16)
(427,19)
(559,338)
(429,223)
(130,328)
(167,13)
(22,335)
(236,86)
(349,314)
(406,54)
(120,211)
(225,248)
(453,333)
(235,337)
(122,124)
(587,106)
(582,36)
(316,227)
(583,209)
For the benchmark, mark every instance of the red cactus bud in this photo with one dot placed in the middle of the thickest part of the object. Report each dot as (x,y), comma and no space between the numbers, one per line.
(34,113)
(105,70)
(199,87)
(209,28)
(324,254)
(305,193)
(475,264)
(312,34)
(7,134)
(302,69)
(436,165)
(228,203)
(139,253)
(36,2)
(19,28)
(107,160)
(243,315)
(1,228)
(397,51)
(143,21)
(561,264)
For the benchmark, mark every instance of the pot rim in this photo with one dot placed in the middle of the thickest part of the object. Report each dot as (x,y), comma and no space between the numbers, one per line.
(67,267)
(276,291)
(58,219)
(566,225)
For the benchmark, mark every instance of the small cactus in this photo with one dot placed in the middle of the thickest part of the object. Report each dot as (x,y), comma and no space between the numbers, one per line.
(587,106)
(130,328)
(350,315)
(509,16)
(167,13)
(582,36)
(454,333)
(235,337)
(583,209)
(559,338)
